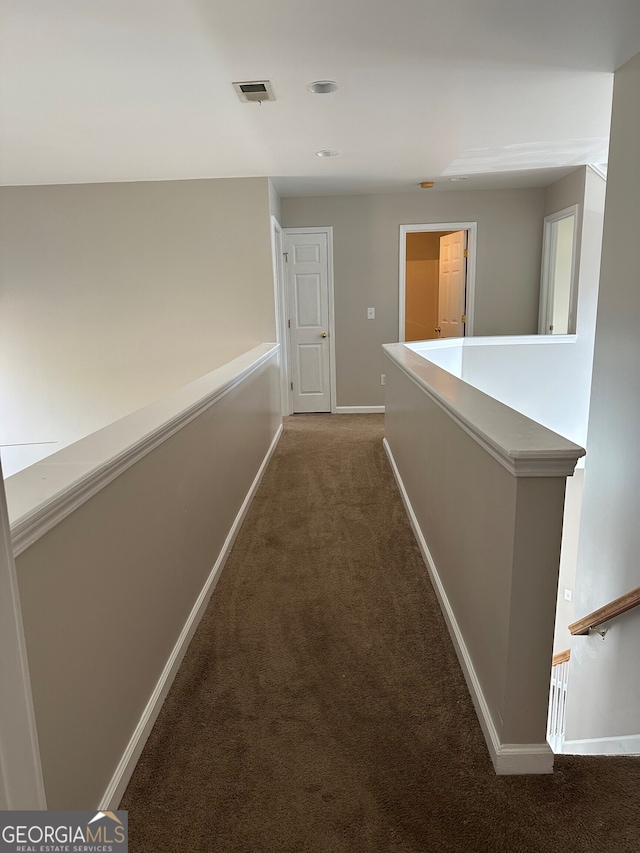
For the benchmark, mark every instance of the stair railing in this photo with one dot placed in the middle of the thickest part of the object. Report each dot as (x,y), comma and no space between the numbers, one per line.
(592,621)
(560,663)
(558,699)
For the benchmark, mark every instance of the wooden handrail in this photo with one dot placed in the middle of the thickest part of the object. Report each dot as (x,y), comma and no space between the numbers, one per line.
(561,657)
(604,614)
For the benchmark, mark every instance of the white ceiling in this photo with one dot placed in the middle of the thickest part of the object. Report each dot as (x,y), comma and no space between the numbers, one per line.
(507,92)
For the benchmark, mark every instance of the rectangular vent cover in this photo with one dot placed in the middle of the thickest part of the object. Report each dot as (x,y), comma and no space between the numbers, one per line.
(254,91)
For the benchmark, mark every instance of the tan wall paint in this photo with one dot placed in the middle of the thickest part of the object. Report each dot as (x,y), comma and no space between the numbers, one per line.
(604,693)
(423,245)
(113,294)
(366,256)
(422,285)
(421,300)
(106,593)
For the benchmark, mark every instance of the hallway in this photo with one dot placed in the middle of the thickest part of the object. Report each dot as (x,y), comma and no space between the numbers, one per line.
(320,706)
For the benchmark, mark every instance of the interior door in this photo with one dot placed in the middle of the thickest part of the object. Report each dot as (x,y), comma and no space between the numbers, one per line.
(310,354)
(452,285)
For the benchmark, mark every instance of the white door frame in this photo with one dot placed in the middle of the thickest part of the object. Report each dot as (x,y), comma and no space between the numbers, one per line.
(282,337)
(545,312)
(21,783)
(287,394)
(472,229)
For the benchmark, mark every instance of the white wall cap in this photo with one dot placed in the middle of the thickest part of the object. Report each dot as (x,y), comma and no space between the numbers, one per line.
(523,446)
(40,496)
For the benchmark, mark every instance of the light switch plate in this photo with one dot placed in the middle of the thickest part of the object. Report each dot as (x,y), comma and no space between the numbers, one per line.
(371,313)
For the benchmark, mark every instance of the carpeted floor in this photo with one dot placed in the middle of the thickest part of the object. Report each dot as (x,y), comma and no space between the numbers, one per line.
(320,707)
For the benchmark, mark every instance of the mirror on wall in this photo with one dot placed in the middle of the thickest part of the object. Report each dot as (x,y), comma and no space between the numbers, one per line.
(558,296)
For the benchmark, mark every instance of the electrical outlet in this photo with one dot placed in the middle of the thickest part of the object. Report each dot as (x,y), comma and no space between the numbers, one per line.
(568,595)
(371,313)
(382,378)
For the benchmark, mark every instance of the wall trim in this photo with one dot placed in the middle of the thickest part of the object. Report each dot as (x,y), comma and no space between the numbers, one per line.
(518,759)
(117,786)
(359,410)
(507,758)
(618,745)
(596,167)
(34,524)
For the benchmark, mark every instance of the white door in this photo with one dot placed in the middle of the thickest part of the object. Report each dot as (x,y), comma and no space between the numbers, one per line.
(452,285)
(310,353)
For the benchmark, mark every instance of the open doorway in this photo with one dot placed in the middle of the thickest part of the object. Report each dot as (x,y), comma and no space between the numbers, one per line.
(558,290)
(437,274)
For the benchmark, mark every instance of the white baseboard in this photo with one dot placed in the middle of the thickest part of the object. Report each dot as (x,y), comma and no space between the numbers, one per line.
(359,410)
(620,745)
(124,771)
(519,759)
(507,758)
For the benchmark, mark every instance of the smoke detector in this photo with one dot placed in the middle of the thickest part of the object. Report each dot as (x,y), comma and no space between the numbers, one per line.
(254,91)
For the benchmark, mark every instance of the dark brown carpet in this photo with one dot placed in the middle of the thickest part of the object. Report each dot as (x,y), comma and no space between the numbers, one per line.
(320,707)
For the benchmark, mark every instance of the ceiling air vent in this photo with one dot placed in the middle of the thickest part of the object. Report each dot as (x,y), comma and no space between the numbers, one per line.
(254,91)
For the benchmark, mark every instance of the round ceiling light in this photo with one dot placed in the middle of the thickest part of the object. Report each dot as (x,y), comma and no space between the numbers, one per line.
(322,87)
(327,152)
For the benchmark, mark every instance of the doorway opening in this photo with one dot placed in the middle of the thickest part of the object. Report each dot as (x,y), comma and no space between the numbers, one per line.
(437,276)
(558,291)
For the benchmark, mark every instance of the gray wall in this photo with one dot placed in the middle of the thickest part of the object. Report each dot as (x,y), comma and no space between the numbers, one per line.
(565,193)
(107,591)
(604,693)
(274,201)
(111,295)
(495,546)
(366,257)
(586,189)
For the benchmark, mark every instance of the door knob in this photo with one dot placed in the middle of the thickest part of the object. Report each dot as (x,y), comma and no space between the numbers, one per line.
(323,335)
